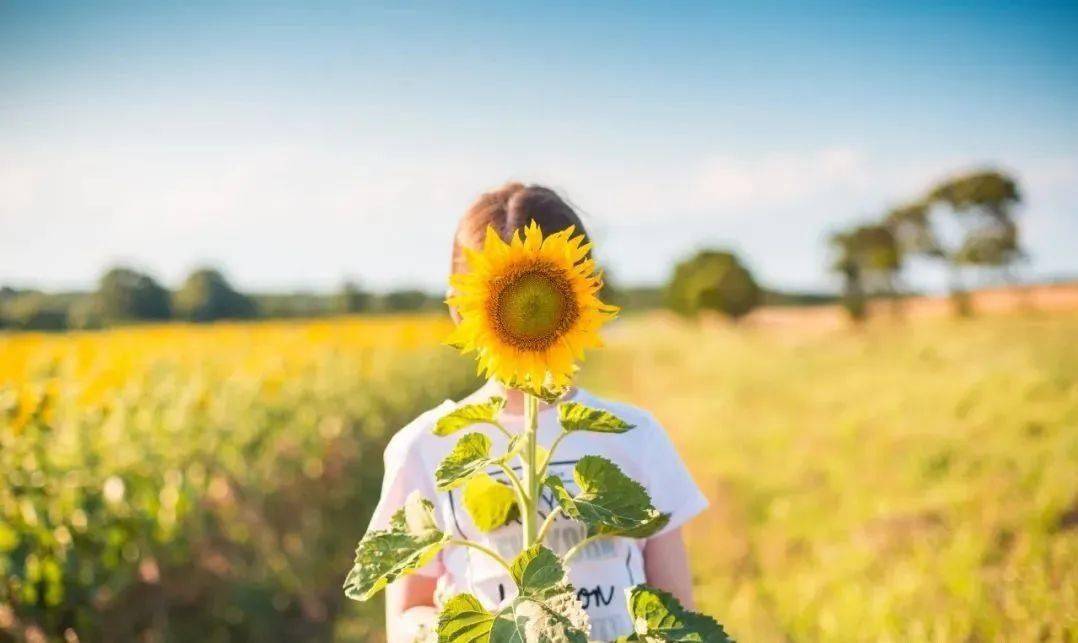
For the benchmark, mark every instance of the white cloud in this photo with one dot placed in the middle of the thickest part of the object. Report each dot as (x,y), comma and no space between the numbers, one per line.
(780,178)
(285,213)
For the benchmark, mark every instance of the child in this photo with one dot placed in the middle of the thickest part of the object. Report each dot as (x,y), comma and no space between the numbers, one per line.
(603,569)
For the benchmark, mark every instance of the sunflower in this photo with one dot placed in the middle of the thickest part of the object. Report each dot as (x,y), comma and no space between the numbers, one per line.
(529,308)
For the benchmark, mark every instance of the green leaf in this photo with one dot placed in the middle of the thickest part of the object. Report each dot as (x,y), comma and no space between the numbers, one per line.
(490,503)
(536,570)
(658,617)
(412,540)
(529,620)
(465,416)
(470,456)
(609,502)
(549,393)
(577,417)
(463,619)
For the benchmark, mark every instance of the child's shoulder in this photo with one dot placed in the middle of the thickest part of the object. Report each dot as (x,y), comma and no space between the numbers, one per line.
(416,432)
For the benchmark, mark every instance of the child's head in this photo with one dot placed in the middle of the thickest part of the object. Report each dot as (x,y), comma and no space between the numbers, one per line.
(508,209)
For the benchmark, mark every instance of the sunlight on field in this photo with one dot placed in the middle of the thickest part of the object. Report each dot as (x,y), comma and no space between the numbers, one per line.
(906,482)
(204,482)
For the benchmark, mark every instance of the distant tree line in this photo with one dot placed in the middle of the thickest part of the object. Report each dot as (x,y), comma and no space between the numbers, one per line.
(980,205)
(710,280)
(125,295)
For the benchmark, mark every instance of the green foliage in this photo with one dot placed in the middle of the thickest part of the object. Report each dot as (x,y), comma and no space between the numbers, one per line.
(609,502)
(351,299)
(470,456)
(207,296)
(463,619)
(398,301)
(546,609)
(33,311)
(983,203)
(659,617)
(468,415)
(574,416)
(192,501)
(412,541)
(869,258)
(125,294)
(533,620)
(490,503)
(537,570)
(712,280)
(86,313)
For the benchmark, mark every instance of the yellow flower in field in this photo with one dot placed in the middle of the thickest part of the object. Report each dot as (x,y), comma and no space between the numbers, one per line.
(529,308)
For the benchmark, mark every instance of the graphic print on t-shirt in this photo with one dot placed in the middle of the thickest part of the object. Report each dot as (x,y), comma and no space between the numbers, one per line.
(600,572)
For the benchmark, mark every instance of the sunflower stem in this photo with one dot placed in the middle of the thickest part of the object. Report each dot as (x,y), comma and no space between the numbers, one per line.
(579,547)
(532,483)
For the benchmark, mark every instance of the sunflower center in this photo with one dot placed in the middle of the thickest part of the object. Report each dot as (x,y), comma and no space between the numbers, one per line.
(532,307)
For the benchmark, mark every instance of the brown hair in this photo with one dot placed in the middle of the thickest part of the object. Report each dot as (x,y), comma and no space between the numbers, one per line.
(508,209)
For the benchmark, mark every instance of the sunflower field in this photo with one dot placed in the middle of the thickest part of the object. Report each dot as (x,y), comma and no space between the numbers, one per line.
(909,481)
(201,483)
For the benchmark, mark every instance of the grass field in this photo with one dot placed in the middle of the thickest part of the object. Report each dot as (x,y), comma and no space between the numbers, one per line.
(905,482)
(902,482)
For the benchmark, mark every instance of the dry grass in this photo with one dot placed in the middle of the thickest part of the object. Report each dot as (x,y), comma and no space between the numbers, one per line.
(903,482)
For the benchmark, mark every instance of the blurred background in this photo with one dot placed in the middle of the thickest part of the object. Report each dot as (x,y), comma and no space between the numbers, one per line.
(844,240)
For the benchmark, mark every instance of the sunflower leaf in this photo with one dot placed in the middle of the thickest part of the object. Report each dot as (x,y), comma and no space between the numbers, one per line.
(609,502)
(463,619)
(536,570)
(549,393)
(531,620)
(575,416)
(470,456)
(490,503)
(659,617)
(412,540)
(467,415)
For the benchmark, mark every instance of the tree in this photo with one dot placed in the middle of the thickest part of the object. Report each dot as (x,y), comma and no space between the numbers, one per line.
(351,299)
(207,296)
(34,311)
(983,204)
(125,294)
(398,301)
(849,266)
(85,313)
(869,258)
(712,280)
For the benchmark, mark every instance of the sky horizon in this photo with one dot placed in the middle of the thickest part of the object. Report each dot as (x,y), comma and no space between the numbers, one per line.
(297,145)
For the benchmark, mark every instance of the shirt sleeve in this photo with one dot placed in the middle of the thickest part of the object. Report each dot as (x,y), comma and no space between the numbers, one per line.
(404,473)
(672,487)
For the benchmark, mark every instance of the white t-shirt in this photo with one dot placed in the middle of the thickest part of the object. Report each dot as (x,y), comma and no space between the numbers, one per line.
(605,568)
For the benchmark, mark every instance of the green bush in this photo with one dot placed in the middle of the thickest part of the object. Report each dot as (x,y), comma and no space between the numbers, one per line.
(713,280)
(207,296)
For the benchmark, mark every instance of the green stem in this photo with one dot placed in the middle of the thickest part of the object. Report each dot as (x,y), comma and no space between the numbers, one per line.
(577,548)
(506,432)
(518,487)
(486,550)
(530,515)
(550,518)
(550,454)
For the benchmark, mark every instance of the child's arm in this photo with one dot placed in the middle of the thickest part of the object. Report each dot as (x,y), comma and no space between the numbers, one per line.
(666,565)
(410,608)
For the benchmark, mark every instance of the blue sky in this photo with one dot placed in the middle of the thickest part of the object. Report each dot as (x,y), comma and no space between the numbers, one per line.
(296,144)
